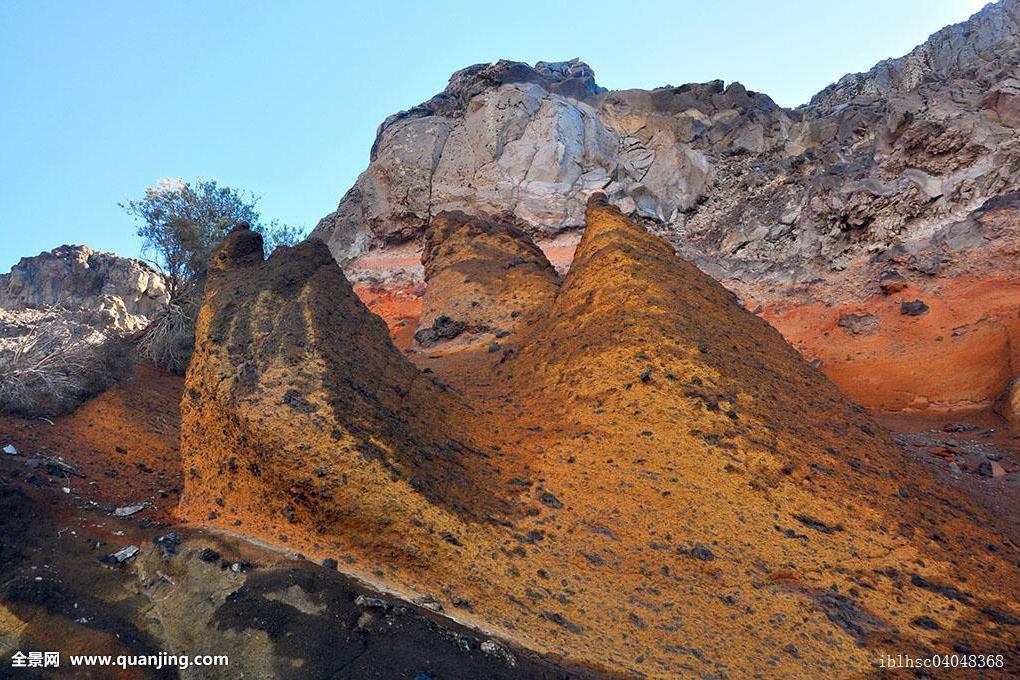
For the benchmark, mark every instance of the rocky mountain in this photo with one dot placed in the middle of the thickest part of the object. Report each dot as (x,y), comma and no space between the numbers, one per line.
(101,290)
(894,172)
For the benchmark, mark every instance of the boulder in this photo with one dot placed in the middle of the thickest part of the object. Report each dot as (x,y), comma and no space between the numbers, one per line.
(913,308)
(859,324)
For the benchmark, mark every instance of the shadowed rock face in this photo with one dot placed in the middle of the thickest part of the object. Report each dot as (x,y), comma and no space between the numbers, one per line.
(299,412)
(481,276)
(667,488)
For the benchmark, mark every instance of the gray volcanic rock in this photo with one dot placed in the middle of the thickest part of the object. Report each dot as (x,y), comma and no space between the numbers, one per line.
(100,289)
(747,189)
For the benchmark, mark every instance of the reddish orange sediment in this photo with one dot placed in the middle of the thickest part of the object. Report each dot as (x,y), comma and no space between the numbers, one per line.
(400,307)
(957,356)
(124,442)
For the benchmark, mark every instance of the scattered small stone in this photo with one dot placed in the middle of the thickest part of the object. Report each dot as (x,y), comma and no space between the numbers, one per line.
(370,602)
(56,467)
(913,308)
(330,563)
(990,468)
(296,401)
(558,619)
(548,499)
(208,555)
(816,524)
(859,324)
(429,602)
(128,510)
(891,281)
(925,622)
(443,328)
(959,427)
(493,648)
(168,543)
(700,552)
(450,538)
(119,557)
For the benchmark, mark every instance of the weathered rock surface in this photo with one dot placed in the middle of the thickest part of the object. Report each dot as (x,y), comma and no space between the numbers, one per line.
(114,292)
(896,170)
(646,474)
(482,276)
(63,316)
(741,184)
(296,397)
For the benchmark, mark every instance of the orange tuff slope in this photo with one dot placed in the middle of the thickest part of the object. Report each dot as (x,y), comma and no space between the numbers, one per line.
(483,276)
(647,479)
(300,416)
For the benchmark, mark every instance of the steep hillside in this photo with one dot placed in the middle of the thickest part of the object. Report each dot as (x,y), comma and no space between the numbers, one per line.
(646,474)
(482,277)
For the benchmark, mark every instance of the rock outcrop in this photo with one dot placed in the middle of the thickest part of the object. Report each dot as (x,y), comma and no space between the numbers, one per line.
(301,416)
(63,317)
(882,170)
(115,292)
(647,475)
(741,183)
(483,277)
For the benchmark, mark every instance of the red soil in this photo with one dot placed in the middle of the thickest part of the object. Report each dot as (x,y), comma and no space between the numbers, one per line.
(958,356)
(124,442)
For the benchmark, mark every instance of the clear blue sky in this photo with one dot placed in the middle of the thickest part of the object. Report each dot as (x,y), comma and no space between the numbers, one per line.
(99,99)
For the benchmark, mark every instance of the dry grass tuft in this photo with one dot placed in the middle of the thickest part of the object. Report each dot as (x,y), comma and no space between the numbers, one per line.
(170,339)
(52,370)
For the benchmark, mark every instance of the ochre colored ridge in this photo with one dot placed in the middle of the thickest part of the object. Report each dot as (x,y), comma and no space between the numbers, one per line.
(648,479)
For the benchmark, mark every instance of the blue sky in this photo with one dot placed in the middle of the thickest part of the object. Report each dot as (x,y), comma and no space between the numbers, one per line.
(102,98)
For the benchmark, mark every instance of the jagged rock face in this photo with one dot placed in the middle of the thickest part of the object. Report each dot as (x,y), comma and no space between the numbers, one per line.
(896,172)
(644,475)
(115,293)
(481,276)
(746,188)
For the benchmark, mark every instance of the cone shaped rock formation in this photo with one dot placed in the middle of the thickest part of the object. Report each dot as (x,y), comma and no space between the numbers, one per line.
(645,478)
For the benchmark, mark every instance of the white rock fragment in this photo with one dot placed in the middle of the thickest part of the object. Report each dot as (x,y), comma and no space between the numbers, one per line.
(128,510)
(125,554)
